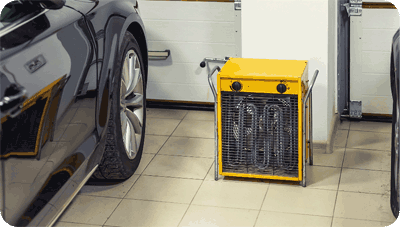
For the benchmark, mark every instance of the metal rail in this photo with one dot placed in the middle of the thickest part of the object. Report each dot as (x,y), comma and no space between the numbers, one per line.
(308,95)
(214,91)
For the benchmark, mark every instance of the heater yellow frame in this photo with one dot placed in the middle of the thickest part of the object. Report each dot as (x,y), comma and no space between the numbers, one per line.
(263,76)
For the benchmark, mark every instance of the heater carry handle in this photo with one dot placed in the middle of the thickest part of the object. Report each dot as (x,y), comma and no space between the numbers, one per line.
(218,60)
(311,86)
(211,83)
(204,63)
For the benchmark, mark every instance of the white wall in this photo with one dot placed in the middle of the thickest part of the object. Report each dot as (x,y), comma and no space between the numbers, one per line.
(192,31)
(297,30)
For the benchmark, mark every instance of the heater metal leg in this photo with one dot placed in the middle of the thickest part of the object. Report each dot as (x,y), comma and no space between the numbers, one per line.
(216,139)
(303,182)
(216,169)
(311,134)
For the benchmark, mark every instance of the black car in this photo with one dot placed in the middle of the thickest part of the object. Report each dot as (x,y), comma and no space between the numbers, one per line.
(73,79)
(395,158)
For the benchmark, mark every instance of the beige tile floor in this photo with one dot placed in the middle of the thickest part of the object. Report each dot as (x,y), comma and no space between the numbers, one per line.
(174,185)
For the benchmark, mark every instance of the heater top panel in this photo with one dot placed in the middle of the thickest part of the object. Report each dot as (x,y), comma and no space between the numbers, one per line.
(256,68)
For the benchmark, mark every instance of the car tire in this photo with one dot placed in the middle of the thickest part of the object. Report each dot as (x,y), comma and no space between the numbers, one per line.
(394,179)
(394,173)
(127,120)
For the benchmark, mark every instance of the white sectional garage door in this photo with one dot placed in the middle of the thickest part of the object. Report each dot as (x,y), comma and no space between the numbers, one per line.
(192,31)
(370,45)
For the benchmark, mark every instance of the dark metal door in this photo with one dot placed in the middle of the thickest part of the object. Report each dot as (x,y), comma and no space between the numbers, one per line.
(343,58)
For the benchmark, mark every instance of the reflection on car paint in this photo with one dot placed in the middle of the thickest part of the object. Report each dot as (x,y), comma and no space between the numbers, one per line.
(40,110)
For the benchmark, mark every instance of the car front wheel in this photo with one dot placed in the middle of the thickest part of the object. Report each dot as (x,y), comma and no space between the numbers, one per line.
(126,128)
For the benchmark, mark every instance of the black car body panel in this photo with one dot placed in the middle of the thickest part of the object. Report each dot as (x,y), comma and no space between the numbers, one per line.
(66,65)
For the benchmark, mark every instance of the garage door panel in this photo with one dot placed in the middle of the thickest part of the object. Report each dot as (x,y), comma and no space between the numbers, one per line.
(180,92)
(375,84)
(376,62)
(370,37)
(192,52)
(180,73)
(188,11)
(372,18)
(370,42)
(190,31)
(377,104)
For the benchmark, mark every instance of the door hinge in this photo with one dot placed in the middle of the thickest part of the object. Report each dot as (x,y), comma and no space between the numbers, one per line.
(355,110)
(238,5)
(354,8)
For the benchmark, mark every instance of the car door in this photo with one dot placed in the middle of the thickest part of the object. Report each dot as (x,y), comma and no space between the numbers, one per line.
(48,91)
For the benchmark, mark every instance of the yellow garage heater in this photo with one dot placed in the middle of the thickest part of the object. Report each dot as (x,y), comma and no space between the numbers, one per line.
(263,121)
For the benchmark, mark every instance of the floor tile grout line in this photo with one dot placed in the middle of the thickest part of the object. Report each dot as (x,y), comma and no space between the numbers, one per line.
(177,119)
(363,219)
(304,214)
(354,130)
(368,193)
(79,223)
(161,147)
(306,188)
(156,201)
(186,137)
(366,149)
(209,171)
(181,136)
(150,175)
(184,214)
(109,216)
(355,148)
(234,208)
(337,191)
(367,169)
(347,140)
(187,156)
(265,196)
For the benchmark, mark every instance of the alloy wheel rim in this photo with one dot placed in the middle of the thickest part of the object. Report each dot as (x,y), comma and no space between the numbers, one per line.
(131,103)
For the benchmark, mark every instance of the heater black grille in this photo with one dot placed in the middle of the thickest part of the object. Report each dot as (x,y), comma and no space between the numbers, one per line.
(260,134)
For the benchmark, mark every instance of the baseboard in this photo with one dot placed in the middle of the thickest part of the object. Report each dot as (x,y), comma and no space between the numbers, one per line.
(319,145)
(180,105)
